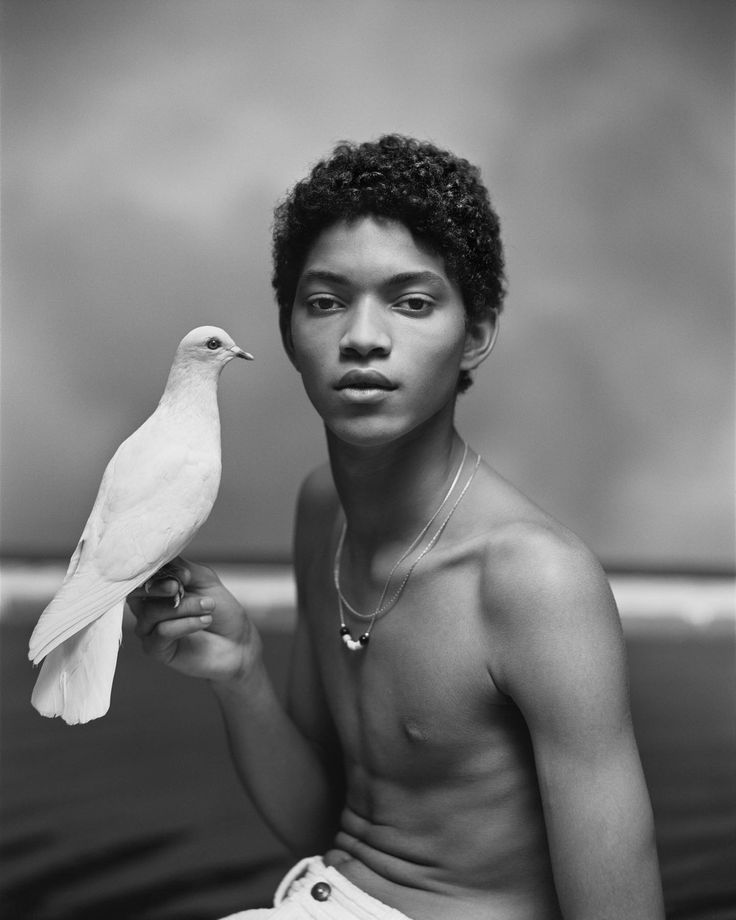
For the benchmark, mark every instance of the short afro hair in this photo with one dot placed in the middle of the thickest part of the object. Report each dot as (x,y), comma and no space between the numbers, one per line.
(439,197)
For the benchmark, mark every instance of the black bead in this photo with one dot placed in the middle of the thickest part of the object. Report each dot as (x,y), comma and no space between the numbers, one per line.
(364,639)
(344,631)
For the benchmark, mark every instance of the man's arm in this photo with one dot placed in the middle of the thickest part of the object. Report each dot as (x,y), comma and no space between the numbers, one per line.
(288,758)
(283,755)
(562,659)
(285,770)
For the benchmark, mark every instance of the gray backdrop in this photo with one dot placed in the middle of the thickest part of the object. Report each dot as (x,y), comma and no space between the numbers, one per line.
(146,141)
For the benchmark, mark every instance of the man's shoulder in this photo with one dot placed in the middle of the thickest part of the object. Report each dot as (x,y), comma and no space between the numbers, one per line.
(550,609)
(538,551)
(524,545)
(540,575)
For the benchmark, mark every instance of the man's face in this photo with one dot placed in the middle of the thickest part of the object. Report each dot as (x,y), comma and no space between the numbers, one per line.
(378,332)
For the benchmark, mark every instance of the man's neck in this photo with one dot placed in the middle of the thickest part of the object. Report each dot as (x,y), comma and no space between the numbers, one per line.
(389,493)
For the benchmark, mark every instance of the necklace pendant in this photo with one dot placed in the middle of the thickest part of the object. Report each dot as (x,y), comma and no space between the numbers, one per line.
(353,644)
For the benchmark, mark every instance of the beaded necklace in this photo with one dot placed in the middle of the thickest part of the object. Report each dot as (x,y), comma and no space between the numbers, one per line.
(384,605)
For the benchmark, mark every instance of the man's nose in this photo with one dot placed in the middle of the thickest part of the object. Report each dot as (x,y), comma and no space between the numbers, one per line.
(366,331)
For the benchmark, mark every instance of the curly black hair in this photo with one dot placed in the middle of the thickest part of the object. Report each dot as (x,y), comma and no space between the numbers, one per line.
(439,197)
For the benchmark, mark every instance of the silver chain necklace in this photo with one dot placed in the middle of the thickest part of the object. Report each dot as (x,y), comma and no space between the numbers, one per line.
(392,600)
(384,606)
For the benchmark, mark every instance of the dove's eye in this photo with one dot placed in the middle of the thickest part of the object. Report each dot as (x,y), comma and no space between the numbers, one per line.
(212,344)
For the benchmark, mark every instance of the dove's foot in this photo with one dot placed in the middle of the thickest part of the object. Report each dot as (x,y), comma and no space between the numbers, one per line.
(167,574)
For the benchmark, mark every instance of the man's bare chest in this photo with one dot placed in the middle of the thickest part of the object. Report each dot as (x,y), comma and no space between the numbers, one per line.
(419,699)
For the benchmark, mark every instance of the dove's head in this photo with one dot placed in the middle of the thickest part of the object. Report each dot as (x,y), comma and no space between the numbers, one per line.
(210,345)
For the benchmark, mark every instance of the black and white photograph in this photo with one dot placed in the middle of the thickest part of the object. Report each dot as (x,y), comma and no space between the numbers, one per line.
(367,460)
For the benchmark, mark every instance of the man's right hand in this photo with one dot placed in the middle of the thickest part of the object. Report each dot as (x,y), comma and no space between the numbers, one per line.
(207,635)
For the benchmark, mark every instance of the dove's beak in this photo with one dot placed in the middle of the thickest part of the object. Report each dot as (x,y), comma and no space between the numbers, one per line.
(239,353)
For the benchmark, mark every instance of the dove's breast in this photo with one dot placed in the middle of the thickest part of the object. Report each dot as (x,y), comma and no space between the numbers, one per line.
(159,489)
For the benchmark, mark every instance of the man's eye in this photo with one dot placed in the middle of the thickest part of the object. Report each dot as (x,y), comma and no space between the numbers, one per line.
(415,304)
(323,304)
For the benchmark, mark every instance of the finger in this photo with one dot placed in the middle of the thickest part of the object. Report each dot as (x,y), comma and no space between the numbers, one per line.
(163,641)
(164,586)
(170,578)
(157,586)
(151,615)
(167,580)
(172,630)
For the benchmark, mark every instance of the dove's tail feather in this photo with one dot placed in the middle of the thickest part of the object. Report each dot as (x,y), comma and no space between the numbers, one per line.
(82,598)
(75,681)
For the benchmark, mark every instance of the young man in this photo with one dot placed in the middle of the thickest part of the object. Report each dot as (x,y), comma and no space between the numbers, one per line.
(457,742)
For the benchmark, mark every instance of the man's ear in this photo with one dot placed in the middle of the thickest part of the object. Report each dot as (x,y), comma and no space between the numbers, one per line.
(480,337)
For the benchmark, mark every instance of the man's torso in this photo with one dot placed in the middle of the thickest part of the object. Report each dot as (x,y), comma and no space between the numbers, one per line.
(442,815)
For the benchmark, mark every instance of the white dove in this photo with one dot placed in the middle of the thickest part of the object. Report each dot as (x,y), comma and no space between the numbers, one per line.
(156,492)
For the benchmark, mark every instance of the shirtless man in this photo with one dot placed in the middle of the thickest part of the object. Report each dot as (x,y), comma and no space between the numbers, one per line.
(457,741)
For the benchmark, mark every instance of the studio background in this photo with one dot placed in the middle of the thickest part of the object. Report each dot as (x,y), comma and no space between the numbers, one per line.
(145,143)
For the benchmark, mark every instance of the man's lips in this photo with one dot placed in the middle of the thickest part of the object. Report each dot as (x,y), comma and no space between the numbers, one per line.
(365,380)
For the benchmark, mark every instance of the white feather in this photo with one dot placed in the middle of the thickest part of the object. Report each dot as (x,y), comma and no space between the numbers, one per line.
(75,681)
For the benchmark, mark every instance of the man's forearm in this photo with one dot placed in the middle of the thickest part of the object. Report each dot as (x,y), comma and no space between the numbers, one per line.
(280,769)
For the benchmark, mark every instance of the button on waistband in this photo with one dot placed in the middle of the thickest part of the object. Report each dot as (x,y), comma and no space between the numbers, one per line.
(321,891)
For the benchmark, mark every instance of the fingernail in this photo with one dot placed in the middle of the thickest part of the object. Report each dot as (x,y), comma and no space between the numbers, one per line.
(206,604)
(205,620)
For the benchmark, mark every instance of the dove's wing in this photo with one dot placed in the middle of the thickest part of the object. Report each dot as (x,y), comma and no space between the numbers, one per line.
(156,492)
